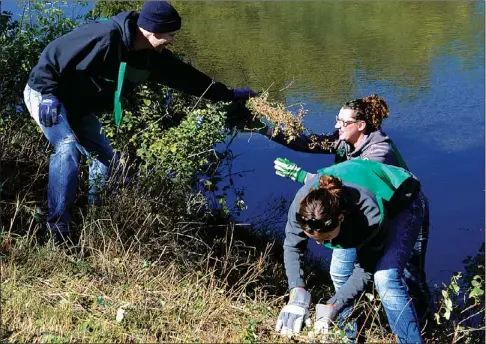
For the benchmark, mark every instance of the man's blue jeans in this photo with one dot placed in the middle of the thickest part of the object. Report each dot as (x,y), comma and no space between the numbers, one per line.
(389,275)
(70,139)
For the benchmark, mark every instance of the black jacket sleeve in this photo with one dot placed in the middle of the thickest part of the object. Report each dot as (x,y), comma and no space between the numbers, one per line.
(314,143)
(295,242)
(171,71)
(355,285)
(363,271)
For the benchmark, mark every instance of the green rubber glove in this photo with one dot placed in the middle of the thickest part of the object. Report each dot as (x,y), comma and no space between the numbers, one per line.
(288,169)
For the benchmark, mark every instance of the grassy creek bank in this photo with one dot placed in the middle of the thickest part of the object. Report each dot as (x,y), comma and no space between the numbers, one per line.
(153,265)
(159,260)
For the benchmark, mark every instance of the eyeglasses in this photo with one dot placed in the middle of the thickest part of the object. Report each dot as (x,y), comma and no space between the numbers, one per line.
(342,123)
(312,225)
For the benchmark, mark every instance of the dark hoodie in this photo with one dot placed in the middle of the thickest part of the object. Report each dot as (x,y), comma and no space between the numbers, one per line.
(81,67)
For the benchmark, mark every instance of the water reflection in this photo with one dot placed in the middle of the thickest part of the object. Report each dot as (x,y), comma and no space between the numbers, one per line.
(326,47)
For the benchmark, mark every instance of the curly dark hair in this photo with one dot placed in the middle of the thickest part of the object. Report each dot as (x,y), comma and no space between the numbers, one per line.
(373,110)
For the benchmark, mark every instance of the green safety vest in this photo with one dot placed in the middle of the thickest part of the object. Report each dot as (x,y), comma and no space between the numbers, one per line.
(394,187)
(401,161)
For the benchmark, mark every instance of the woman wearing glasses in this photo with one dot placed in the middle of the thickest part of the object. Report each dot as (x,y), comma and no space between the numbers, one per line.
(368,206)
(359,135)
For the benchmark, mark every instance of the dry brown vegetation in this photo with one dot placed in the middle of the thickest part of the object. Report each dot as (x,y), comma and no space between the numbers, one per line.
(169,267)
(280,116)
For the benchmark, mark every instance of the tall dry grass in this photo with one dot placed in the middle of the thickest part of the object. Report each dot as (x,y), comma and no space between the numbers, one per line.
(178,272)
(153,264)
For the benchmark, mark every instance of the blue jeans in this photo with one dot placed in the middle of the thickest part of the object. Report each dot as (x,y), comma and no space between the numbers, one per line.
(71,139)
(390,274)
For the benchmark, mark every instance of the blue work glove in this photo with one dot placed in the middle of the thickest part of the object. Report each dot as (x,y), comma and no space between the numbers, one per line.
(244,93)
(288,169)
(199,122)
(295,314)
(325,315)
(49,109)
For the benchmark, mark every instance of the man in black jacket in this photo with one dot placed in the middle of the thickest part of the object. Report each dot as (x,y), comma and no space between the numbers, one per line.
(84,73)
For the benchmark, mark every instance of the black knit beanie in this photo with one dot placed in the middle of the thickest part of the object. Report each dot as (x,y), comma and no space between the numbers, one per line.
(158,17)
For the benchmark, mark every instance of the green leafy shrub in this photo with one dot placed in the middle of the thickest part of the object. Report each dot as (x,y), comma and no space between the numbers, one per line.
(461,311)
(174,140)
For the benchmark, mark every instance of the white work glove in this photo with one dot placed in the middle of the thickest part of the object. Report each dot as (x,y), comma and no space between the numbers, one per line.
(295,314)
(325,315)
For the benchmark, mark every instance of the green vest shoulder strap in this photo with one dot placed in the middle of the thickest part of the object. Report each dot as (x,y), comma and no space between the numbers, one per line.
(125,72)
(401,161)
(118,110)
